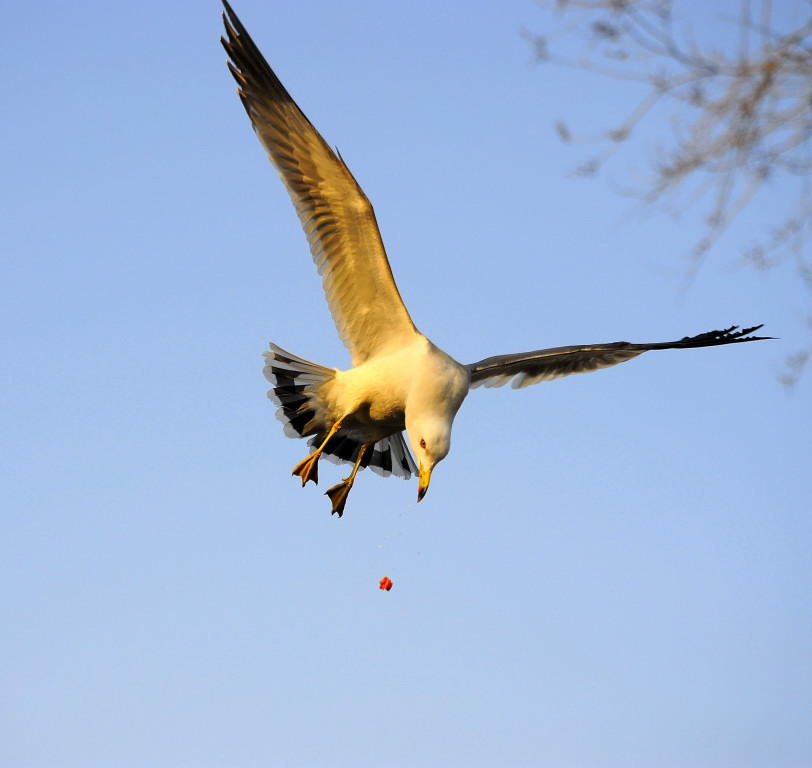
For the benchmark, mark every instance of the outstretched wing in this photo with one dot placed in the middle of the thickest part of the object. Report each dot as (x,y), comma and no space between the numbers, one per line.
(528,368)
(334,212)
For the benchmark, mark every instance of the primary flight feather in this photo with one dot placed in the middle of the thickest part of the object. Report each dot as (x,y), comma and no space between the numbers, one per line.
(399,379)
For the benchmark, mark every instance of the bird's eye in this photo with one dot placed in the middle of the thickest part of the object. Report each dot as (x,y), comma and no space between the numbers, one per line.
(422,444)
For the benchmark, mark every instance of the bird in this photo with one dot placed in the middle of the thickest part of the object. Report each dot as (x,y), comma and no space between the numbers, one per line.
(399,379)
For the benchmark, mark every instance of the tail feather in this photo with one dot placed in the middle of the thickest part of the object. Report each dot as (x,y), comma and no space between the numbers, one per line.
(294,388)
(389,456)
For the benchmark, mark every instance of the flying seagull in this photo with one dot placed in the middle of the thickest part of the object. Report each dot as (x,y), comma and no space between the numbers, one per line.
(399,379)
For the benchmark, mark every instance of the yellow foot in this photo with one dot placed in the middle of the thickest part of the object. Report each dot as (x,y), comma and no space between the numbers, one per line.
(338,495)
(308,469)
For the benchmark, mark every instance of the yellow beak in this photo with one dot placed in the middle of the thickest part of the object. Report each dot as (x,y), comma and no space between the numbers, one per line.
(425,477)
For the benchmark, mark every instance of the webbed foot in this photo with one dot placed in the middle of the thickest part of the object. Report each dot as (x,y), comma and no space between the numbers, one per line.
(338,496)
(308,469)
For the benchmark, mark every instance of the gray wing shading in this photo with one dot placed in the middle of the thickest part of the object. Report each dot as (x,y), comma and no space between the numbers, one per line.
(528,368)
(334,212)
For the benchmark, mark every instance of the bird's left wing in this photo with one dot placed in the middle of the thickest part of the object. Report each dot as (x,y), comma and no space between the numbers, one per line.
(334,212)
(528,368)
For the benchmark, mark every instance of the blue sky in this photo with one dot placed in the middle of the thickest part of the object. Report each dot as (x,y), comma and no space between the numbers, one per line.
(608,570)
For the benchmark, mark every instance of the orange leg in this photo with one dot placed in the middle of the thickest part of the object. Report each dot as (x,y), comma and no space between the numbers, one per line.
(308,469)
(338,493)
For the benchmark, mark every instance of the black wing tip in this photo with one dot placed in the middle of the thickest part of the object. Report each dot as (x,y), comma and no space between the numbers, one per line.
(732,335)
(246,63)
(229,15)
(236,35)
(230,22)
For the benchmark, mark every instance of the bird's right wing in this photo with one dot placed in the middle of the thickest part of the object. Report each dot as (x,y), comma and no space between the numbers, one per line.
(334,212)
(528,368)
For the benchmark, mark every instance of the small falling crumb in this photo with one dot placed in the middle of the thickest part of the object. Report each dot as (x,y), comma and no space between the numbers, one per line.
(386,583)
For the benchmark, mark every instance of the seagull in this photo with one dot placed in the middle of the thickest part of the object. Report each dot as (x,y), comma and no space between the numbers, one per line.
(399,380)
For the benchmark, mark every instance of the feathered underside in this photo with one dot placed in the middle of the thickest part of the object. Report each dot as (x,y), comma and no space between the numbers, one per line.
(526,368)
(295,384)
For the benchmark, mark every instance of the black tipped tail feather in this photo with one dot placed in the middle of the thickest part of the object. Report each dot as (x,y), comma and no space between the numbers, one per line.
(295,384)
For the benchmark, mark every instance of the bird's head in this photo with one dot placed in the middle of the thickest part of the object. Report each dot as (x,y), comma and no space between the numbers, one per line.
(436,394)
(430,439)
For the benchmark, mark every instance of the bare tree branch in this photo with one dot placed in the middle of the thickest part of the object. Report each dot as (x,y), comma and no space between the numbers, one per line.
(740,116)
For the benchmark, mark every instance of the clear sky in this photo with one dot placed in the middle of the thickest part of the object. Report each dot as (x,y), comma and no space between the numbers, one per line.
(608,570)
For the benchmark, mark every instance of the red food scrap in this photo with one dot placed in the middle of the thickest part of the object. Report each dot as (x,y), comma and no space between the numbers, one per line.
(386,583)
